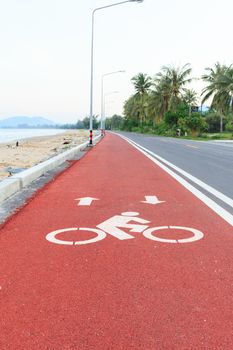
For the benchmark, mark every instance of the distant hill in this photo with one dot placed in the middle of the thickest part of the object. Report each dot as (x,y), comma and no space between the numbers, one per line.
(26,122)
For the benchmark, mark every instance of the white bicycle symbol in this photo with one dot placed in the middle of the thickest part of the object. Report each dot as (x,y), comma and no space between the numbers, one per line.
(113,227)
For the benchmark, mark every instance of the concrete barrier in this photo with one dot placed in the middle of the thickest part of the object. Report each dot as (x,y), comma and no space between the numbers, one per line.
(15,183)
(29,175)
(8,187)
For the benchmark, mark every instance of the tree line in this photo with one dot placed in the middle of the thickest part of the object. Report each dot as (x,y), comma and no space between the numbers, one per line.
(165,105)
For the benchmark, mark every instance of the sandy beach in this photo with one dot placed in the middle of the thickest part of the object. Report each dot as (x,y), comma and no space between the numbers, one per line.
(37,149)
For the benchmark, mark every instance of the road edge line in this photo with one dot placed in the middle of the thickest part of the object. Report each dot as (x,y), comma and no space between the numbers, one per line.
(223,213)
(194,179)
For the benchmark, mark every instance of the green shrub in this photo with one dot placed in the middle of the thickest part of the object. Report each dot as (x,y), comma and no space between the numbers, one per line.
(213,121)
(194,124)
(215,137)
(229,126)
(135,129)
(171,117)
(161,128)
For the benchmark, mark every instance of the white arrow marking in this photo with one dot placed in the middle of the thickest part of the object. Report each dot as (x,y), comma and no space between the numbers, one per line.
(86,200)
(152,200)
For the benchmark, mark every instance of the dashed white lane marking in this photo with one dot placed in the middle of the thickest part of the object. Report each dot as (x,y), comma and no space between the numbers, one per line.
(191,146)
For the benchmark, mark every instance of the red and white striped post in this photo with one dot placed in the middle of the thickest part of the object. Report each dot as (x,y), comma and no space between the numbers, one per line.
(91,137)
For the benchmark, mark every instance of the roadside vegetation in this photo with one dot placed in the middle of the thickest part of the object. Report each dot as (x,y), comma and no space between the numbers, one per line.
(164,105)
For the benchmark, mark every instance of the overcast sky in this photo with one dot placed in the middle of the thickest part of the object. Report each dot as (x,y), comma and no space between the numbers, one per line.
(45,50)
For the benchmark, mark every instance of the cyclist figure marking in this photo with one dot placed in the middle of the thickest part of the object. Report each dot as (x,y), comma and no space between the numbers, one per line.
(130,221)
(113,225)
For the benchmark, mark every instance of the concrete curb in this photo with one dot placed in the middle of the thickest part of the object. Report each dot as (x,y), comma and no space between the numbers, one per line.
(8,187)
(223,141)
(15,183)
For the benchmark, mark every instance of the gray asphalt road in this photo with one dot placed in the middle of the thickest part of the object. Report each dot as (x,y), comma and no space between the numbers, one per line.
(210,162)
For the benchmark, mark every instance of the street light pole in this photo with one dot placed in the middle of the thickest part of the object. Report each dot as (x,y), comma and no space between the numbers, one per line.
(104,102)
(102,97)
(92,56)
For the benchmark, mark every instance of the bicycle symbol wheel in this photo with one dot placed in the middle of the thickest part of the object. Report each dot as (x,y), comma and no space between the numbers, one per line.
(52,236)
(196,234)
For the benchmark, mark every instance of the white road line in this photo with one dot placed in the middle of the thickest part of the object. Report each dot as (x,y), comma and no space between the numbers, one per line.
(209,202)
(200,183)
(191,146)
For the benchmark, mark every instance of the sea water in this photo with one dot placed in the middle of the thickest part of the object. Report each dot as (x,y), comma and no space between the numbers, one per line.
(9,135)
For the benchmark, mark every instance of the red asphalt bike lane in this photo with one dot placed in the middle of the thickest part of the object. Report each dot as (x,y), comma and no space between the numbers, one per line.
(115,294)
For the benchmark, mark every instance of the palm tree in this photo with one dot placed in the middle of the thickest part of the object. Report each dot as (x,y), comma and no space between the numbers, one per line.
(142,84)
(131,109)
(175,79)
(190,97)
(219,88)
(159,98)
(226,82)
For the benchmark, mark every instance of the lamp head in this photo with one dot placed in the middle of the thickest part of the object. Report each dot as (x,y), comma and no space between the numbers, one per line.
(136,1)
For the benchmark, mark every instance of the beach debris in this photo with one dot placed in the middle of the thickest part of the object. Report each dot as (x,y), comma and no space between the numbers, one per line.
(13,171)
